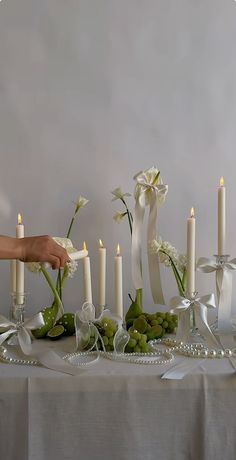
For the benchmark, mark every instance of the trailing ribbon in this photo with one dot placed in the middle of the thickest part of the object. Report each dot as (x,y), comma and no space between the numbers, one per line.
(223,289)
(151,192)
(47,358)
(23,331)
(182,307)
(86,325)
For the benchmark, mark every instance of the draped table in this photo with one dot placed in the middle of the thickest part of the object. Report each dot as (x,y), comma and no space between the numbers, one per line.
(117,410)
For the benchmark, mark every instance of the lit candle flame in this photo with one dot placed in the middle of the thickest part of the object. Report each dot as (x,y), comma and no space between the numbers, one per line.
(222,181)
(19,219)
(101,244)
(118,250)
(192,212)
(85,247)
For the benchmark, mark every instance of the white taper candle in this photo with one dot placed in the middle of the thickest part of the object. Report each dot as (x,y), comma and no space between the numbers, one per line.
(102,275)
(20,275)
(87,278)
(191,256)
(118,284)
(221,217)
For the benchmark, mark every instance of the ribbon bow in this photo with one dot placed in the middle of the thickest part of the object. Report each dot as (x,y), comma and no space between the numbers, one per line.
(199,306)
(223,289)
(85,326)
(23,331)
(149,191)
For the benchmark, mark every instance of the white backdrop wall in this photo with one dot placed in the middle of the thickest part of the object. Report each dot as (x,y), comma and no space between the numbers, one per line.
(91,92)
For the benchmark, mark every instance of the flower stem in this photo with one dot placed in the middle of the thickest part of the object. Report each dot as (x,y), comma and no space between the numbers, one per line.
(51,285)
(129,215)
(176,273)
(70,226)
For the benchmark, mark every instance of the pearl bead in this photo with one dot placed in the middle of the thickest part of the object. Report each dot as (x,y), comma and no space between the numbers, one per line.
(220,354)
(228,353)
(204,353)
(212,353)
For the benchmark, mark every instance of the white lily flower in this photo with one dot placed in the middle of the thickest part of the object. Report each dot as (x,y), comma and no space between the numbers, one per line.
(119,216)
(118,194)
(81,202)
(148,181)
(66,243)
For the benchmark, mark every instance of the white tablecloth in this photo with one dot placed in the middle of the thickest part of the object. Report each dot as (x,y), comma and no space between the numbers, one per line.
(119,411)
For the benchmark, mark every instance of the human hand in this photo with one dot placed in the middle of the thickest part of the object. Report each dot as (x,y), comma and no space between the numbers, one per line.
(42,249)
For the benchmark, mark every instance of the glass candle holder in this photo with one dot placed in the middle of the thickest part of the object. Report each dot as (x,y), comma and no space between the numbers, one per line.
(18,305)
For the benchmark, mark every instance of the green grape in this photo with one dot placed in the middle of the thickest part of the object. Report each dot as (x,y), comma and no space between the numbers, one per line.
(128,349)
(110,341)
(171,327)
(154,322)
(132,343)
(152,317)
(137,349)
(108,348)
(105,340)
(159,320)
(109,333)
(155,332)
(161,314)
(140,324)
(168,317)
(143,341)
(145,348)
(135,335)
(165,324)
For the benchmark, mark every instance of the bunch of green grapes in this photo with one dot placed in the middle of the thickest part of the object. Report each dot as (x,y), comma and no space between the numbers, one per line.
(155,325)
(137,342)
(107,328)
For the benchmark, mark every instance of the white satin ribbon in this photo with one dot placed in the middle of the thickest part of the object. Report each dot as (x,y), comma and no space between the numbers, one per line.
(47,358)
(85,323)
(150,195)
(223,289)
(182,307)
(23,331)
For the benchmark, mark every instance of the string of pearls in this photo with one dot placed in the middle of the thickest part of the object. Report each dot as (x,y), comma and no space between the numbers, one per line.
(155,357)
(193,350)
(8,359)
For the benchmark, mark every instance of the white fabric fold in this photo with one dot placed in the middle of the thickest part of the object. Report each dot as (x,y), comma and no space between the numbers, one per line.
(147,193)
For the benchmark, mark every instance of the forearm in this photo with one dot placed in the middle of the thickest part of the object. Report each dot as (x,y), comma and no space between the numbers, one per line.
(10,248)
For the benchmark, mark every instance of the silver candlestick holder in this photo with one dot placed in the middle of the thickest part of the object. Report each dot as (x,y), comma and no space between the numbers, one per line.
(17,313)
(191,296)
(18,305)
